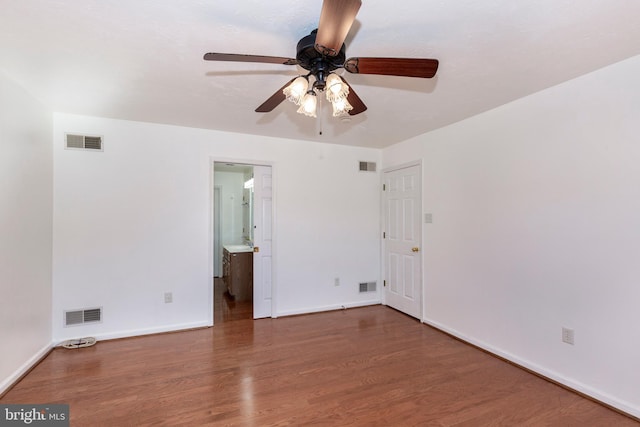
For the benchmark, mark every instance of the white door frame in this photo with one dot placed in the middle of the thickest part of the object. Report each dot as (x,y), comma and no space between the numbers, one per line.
(217,230)
(383,217)
(250,162)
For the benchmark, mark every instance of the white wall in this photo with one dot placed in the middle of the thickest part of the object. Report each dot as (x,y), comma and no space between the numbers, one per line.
(26,172)
(134,221)
(536,226)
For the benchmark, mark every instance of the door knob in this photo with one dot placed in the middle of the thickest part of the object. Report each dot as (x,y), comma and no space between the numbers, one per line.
(416,249)
(256,249)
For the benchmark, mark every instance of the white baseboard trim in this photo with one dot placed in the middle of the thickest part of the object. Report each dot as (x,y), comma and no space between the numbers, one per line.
(332,307)
(10,381)
(140,332)
(605,398)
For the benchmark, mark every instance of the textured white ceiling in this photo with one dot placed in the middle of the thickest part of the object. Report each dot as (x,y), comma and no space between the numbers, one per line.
(142,60)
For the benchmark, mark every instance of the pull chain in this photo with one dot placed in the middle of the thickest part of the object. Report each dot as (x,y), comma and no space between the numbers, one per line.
(320,113)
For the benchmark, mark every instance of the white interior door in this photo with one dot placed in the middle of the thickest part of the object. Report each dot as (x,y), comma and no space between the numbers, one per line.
(262,240)
(402,238)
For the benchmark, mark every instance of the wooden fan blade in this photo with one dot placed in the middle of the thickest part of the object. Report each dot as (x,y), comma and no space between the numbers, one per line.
(212,56)
(406,67)
(336,19)
(354,100)
(274,100)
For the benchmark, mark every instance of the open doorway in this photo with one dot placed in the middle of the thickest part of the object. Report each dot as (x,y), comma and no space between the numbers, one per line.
(242,230)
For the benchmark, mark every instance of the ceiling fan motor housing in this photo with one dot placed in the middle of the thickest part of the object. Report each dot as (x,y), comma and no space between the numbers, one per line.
(316,63)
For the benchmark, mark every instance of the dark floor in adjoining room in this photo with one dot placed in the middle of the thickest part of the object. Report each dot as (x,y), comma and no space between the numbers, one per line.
(226,308)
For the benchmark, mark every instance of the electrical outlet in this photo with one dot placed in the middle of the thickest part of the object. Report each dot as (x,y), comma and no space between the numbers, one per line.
(568,336)
(168,297)
(336,281)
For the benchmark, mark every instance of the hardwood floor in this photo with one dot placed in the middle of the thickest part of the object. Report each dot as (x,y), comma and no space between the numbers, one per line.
(369,366)
(227,309)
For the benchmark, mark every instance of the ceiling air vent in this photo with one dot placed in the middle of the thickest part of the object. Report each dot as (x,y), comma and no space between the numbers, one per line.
(80,317)
(367,166)
(83,142)
(367,287)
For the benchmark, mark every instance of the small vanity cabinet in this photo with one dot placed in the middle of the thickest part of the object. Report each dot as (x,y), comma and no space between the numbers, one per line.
(237,271)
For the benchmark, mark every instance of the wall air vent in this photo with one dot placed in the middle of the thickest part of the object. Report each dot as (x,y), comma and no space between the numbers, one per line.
(83,142)
(367,166)
(367,287)
(80,317)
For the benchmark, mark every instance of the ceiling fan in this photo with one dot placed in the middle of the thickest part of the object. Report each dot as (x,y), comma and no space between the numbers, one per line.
(321,53)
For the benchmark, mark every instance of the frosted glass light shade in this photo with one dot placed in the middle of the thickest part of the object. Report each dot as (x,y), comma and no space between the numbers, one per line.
(336,88)
(296,90)
(309,104)
(341,107)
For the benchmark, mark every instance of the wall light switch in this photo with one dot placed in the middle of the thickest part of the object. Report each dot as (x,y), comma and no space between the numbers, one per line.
(168,297)
(428,218)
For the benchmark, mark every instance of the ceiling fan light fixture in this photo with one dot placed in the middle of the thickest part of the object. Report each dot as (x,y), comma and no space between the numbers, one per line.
(309,104)
(321,53)
(296,91)
(335,88)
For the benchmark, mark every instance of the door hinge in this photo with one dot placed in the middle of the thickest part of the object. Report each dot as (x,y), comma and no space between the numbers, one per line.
(384,234)
(384,187)
(384,282)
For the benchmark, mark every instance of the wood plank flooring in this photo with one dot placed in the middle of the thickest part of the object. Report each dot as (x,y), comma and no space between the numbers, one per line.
(369,366)
(227,309)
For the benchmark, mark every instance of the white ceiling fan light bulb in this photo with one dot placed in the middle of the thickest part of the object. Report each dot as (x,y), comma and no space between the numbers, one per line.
(309,104)
(296,90)
(336,88)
